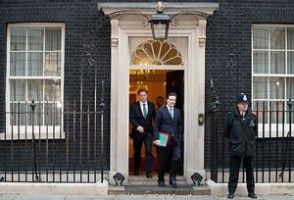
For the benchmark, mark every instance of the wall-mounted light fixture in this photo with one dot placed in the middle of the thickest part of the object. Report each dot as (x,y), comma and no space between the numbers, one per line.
(159,21)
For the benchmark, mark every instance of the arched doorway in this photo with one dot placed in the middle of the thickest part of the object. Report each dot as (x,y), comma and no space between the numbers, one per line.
(150,55)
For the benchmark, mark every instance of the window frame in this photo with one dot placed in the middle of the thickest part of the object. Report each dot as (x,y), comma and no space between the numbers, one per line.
(274,129)
(25,131)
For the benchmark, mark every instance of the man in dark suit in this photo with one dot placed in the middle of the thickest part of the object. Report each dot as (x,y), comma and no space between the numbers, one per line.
(168,120)
(142,114)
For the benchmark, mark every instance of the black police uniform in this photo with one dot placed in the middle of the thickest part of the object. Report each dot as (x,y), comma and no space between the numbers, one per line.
(241,132)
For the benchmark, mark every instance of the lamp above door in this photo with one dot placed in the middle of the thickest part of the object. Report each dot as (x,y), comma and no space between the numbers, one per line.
(159,23)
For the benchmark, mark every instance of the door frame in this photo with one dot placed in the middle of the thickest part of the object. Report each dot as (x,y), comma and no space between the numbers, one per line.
(122,30)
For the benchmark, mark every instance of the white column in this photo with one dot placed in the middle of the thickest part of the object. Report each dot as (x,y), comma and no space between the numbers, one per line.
(119,112)
(195,103)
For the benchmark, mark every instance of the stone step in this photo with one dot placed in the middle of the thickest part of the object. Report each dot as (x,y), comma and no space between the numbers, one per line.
(154,189)
(143,180)
(140,185)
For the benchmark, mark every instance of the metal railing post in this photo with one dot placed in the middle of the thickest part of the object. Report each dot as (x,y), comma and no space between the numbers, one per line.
(214,131)
(33,106)
(102,105)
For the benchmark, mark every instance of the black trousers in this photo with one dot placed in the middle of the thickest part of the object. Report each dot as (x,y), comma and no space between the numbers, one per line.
(234,173)
(169,160)
(147,138)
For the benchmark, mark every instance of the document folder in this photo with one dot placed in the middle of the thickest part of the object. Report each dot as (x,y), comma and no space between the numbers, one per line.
(164,138)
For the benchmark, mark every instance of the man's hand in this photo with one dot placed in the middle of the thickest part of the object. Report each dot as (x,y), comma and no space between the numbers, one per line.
(157,142)
(140,129)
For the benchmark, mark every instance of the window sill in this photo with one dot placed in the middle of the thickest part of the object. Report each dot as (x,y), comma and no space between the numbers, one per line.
(27,133)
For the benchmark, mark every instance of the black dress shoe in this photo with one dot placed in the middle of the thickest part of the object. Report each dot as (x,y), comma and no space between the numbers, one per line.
(252,195)
(231,196)
(173,183)
(161,184)
(149,175)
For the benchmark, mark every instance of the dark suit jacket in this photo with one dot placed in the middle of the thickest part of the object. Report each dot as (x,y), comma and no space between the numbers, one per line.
(164,123)
(137,119)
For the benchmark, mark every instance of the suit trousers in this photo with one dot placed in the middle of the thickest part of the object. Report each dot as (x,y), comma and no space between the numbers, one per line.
(147,138)
(235,162)
(169,156)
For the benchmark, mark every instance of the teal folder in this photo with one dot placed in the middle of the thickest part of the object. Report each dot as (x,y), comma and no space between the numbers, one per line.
(163,137)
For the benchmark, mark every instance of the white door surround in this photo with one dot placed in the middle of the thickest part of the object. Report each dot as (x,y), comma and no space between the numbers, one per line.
(190,28)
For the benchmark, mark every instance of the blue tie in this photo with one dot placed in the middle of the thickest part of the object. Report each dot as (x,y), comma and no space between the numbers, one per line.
(144,110)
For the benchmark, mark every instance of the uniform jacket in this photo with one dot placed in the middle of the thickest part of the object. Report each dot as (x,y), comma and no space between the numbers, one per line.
(137,118)
(164,123)
(241,132)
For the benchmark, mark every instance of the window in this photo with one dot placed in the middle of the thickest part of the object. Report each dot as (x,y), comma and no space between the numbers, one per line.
(34,72)
(273,72)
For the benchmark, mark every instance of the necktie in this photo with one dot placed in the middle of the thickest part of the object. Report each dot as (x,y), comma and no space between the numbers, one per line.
(171,112)
(144,110)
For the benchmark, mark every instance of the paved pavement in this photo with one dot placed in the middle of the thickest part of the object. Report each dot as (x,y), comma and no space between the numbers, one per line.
(133,197)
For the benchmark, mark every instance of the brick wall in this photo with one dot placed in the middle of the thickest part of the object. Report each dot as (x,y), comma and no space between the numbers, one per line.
(228,34)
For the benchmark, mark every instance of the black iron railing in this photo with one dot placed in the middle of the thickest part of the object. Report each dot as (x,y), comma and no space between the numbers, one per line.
(64,142)
(274,145)
(51,142)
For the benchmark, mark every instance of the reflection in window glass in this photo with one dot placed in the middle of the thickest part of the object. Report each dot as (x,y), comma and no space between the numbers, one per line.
(52,64)
(276,88)
(52,90)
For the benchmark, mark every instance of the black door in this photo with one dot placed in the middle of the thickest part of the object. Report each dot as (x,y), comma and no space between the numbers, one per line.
(175,83)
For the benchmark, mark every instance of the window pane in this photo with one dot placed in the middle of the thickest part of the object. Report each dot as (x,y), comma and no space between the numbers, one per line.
(35,63)
(17,90)
(260,90)
(35,39)
(18,39)
(290,88)
(290,38)
(260,38)
(52,90)
(277,62)
(17,64)
(277,38)
(276,88)
(35,88)
(260,62)
(53,39)
(53,64)
(290,62)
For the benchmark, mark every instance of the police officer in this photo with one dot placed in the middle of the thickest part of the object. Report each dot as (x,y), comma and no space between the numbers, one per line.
(241,129)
